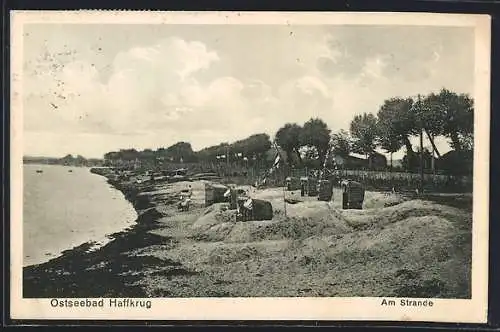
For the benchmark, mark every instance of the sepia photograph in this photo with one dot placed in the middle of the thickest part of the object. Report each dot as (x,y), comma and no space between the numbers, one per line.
(246,156)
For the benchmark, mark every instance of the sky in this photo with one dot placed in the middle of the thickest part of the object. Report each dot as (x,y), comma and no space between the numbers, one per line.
(90,89)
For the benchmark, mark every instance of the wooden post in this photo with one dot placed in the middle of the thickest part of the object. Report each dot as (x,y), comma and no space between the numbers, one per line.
(284,201)
(433,161)
(421,162)
(390,174)
(233,199)
(421,152)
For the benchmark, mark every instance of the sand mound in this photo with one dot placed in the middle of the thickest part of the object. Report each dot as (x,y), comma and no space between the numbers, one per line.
(408,235)
(415,256)
(312,218)
(217,232)
(215,214)
(375,200)
(379,217)
(286,228)
(293,228)
(241,232)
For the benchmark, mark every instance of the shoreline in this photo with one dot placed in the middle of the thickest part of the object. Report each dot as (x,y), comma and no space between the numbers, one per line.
(96,237)
(61,274)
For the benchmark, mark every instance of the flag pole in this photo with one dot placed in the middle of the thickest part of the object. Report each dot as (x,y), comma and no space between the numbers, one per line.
(284,199)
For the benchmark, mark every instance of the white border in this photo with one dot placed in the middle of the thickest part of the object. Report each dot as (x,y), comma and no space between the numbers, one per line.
(466,311)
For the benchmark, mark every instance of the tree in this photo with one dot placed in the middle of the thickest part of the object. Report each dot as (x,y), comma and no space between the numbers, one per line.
(161,154)
(341,143)
(67,159)
(466,141)
(112,156)
(390,143)
(315,133)
(396,124)
(252,147)
(180,152)
(147,154)
(212,152)
(429,118)
(128,154)
(80,160)
(364,131)
(451,115)
(288,138)
(255,145)
(389,140)
(310,156)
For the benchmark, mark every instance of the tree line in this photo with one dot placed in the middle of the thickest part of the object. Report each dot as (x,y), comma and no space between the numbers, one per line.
(68,160)
(443,114)
(250,149)
(446,114)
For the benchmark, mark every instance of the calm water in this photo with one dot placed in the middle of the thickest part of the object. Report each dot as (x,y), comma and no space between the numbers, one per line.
(64,209)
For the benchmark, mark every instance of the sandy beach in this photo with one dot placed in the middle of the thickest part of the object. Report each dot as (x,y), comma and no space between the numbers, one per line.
(395,246)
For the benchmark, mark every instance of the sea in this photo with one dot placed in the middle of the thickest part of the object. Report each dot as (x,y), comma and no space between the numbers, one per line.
(64,207)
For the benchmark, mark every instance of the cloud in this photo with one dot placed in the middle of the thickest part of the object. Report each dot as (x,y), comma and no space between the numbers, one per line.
(305,97)
(407,51)
(138,93)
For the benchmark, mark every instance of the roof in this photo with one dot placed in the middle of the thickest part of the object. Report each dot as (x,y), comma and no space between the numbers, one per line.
(357,155)
(362,156)
(217,185)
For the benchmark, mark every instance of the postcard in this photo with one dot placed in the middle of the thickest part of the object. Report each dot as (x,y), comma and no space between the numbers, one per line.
(249,166)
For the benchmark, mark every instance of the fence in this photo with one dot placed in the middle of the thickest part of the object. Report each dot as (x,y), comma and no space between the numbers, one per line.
(374,180)
(411,181)
(381,180)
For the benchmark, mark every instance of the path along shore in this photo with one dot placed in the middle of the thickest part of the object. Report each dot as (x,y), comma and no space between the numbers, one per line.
(393,247)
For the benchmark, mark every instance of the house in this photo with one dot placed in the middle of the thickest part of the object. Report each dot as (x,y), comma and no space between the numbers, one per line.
(378,161)
(375,161)
(456,162)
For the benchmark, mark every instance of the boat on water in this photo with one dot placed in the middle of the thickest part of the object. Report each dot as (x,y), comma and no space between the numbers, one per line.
(71,171)
(39,171)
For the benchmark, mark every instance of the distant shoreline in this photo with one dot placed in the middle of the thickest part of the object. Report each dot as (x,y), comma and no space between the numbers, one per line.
(44,164)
